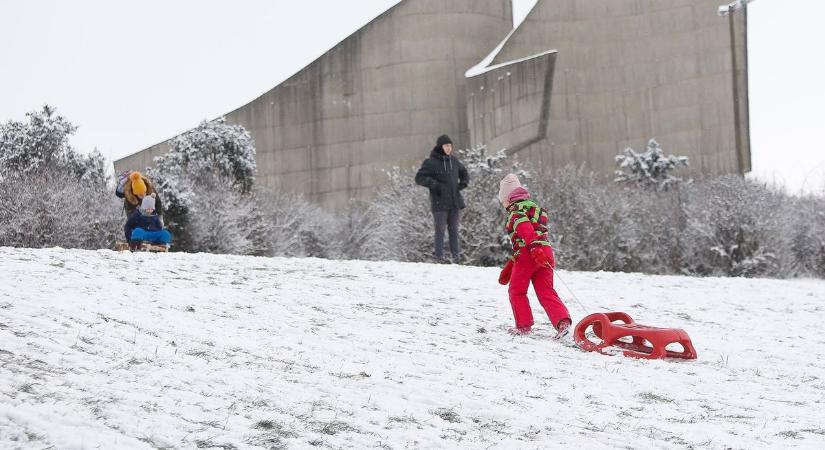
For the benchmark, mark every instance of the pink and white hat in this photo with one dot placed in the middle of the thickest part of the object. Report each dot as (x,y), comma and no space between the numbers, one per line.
(510,190)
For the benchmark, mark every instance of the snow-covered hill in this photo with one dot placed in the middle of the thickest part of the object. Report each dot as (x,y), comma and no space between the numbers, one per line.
(119,350)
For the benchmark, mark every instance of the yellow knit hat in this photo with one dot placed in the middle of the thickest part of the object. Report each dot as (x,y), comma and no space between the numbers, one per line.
(138,186)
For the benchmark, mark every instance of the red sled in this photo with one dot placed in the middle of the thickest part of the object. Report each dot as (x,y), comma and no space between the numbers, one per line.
(645,342)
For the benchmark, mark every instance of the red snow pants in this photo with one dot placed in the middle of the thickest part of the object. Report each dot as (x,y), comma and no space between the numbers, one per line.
(526,270)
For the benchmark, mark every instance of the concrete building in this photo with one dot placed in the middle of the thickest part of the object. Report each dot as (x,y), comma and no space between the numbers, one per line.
(577,82)
(581,80)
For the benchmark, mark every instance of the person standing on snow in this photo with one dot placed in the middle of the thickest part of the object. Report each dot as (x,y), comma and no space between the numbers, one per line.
(532,260)
(445,177)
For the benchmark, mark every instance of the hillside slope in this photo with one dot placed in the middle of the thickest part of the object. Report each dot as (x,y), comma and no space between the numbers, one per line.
(119,350)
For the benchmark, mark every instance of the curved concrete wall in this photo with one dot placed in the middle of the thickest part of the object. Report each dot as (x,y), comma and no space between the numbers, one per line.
(625,71)
(509,105)
(577,82)
(376,100)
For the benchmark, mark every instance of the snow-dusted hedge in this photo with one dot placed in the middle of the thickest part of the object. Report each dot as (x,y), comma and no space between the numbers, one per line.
(735,227)
(726,226)
(206,182)
(51,195)
(398,224)
(600,226)
(483,239)
(55,209)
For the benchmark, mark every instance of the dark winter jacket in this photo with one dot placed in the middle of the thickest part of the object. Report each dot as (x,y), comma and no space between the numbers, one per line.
(445,177)
(140,220)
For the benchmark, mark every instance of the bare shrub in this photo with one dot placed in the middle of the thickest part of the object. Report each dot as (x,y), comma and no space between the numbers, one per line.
(363,235)
(807,236)
(53,208)
(224,220)
(296,227)
(586,222)
(483,239)
(734,227)
(401,220)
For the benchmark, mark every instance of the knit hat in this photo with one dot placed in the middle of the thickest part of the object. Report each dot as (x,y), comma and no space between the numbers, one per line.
(443,140)
(518,194)
(148,202)
(507,186)
(138,186)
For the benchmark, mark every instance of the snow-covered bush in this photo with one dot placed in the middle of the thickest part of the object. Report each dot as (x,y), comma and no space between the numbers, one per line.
(735,227)
(51,195)
(807,235)
(211,203)
(90,169)
(53,208)
(213,148)
(398,223)
(401,220)
(296,227)
(363,235)
(212,162)
(39,144)
(42,144)
(649,170)
(590,227)
(660,221)
(483,239)
(225,220)
(726,226)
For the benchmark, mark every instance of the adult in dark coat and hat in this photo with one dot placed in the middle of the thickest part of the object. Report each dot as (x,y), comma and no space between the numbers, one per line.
(445,177)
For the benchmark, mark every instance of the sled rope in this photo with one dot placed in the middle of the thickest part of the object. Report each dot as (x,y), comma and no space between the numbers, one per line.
(584,308)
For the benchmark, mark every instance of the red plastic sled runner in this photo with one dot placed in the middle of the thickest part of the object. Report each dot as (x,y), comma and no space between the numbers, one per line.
(648,342)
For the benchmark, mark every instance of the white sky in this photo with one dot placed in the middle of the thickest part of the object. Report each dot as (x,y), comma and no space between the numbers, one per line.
(132,74)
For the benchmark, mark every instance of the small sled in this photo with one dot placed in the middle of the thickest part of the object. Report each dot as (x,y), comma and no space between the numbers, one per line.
(152,247)
(123,246)
(635,340)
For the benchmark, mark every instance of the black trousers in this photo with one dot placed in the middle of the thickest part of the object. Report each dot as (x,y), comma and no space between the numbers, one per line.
(449,220)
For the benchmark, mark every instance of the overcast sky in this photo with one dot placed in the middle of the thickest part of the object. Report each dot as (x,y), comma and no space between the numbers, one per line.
(135,73)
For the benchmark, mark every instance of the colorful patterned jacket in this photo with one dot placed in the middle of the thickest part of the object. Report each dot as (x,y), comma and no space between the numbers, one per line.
(526,225)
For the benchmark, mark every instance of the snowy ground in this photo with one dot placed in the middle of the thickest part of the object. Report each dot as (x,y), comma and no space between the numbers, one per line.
(120,350)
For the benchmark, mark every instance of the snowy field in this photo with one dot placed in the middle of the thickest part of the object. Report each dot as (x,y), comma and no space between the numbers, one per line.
(119,350)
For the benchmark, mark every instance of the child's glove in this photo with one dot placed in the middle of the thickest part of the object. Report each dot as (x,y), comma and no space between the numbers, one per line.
(543,255)
(504,277)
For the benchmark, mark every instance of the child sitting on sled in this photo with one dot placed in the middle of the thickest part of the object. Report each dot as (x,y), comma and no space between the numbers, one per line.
(145,225)
(532,260)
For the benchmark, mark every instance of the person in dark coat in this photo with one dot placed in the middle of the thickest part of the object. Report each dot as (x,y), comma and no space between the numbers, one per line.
(445,177)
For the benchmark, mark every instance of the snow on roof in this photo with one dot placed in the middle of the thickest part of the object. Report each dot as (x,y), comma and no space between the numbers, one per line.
(484,66)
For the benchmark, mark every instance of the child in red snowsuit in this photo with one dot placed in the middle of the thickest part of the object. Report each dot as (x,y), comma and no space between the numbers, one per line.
(532,259)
